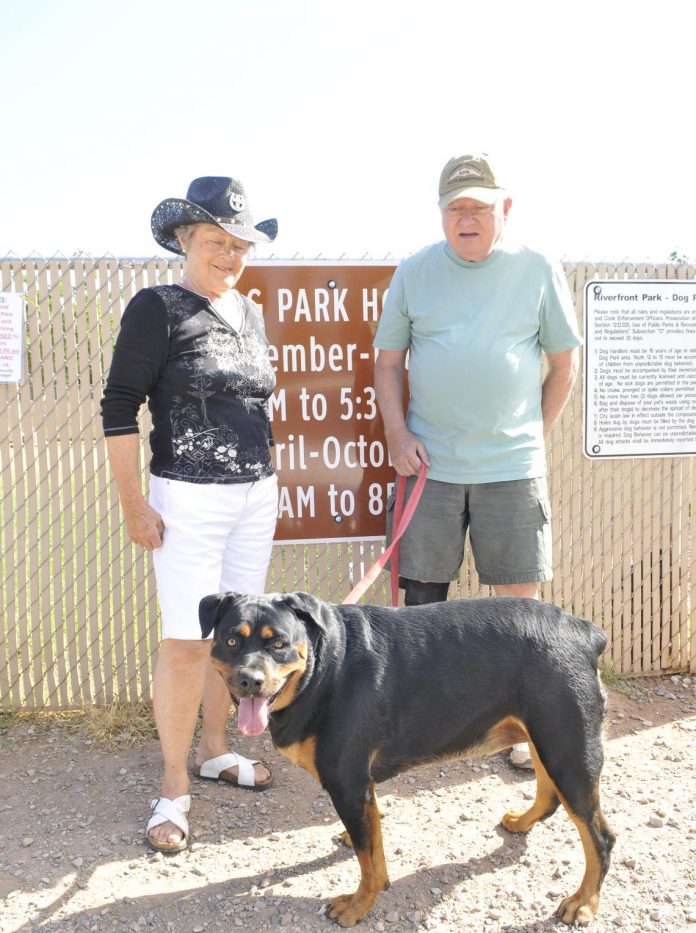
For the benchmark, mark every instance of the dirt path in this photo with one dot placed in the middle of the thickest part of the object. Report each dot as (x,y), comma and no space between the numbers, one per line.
(72,819)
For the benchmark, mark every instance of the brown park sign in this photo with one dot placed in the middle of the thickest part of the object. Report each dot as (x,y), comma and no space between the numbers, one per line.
(330,453)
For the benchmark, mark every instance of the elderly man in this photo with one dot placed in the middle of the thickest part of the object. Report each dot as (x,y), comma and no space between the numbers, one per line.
(474,314)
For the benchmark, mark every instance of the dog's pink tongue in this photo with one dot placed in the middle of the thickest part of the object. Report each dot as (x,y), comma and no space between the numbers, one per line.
(252,715)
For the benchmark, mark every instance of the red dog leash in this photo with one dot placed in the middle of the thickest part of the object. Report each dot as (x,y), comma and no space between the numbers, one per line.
(401,519)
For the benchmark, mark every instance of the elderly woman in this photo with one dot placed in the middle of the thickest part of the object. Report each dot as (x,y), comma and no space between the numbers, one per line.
(197,352)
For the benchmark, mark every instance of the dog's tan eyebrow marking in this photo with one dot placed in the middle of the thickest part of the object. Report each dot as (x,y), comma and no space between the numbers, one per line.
(244,630)
(267,632)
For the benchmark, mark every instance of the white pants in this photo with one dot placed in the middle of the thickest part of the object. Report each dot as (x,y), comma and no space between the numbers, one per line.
(217,538)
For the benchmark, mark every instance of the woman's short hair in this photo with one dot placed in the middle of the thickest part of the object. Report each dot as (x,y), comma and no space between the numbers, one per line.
(183,233)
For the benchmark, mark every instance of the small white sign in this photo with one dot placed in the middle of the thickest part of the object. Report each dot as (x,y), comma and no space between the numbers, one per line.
(11,336)
(640,368)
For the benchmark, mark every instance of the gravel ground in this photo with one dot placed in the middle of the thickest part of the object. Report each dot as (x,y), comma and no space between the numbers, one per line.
(72,857)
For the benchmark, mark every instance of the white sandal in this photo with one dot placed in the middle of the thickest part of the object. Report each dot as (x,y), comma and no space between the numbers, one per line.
(219,769)
(173,811)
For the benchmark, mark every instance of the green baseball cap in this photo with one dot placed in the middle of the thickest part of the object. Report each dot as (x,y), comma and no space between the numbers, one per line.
(469,176)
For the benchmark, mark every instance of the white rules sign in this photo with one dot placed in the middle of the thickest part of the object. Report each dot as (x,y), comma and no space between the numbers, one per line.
(640,369)
(11,337)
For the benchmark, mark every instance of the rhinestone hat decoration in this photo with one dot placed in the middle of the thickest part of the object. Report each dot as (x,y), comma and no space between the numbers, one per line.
(218,200)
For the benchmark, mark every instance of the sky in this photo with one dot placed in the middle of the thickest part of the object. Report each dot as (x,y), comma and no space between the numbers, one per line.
(338,118)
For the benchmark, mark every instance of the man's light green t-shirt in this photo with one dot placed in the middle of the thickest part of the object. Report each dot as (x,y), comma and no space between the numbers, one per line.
(476,332)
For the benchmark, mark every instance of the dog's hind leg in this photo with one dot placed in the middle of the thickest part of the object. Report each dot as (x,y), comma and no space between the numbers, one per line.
(361,817)
(597,842)
(573,759)
(546,801)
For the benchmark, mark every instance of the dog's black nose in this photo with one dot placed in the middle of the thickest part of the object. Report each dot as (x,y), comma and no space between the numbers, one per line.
(250,680)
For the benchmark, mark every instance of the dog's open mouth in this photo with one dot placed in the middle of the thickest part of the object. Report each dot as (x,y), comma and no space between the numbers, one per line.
(253,712)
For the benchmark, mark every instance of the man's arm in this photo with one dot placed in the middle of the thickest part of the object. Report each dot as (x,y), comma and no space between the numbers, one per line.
(144,526)
(406,451)
(557,386)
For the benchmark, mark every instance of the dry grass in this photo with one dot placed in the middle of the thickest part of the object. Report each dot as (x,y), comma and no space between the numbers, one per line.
(40,721)
(120,725)
(629,686)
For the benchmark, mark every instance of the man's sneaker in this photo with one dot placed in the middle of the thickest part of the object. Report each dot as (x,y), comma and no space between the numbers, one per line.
(520,757)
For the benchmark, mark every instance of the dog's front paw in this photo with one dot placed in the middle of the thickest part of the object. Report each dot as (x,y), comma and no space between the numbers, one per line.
(349,909)
(516,822)
(578,908)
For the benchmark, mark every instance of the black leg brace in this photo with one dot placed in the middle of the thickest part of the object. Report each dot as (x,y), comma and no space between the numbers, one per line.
(420,594)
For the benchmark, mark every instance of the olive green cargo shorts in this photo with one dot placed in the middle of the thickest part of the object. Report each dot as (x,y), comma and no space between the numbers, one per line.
(509,527)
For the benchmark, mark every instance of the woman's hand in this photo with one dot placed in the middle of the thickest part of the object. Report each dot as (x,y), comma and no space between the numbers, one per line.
(144,526)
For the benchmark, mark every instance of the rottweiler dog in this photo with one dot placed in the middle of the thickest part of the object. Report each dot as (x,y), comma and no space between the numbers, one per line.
(357,694)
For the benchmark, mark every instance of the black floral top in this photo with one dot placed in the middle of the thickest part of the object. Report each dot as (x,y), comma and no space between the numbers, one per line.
(207,387)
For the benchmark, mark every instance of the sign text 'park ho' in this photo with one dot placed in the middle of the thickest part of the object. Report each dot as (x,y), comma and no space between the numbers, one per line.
(330,453)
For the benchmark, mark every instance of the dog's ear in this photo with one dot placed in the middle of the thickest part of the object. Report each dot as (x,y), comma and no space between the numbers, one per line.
(210,609)
(306,607)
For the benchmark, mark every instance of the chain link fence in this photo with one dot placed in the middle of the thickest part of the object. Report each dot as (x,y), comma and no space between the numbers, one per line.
(79,613)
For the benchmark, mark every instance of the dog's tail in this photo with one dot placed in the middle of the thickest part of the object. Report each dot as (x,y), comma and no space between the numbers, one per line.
(593,640)
(598,640)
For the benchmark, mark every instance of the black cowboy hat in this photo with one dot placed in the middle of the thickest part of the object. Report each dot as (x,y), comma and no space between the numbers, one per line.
(210,200)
